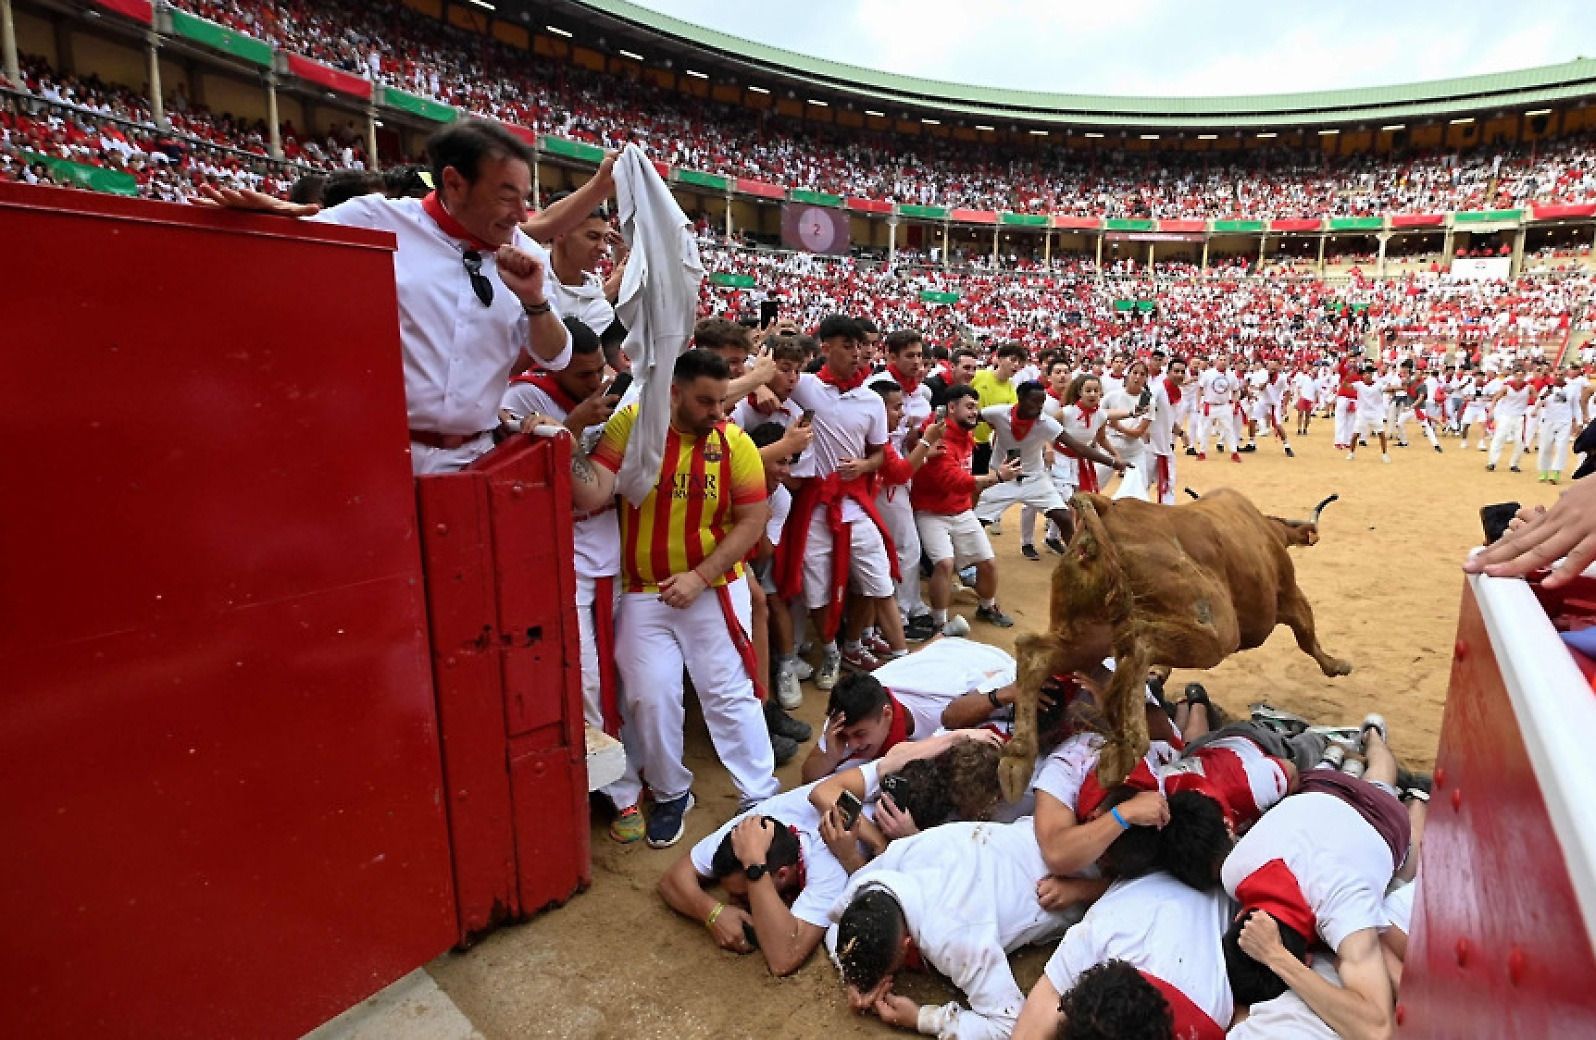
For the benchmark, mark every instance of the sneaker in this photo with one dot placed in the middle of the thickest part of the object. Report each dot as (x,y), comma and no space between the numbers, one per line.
(1055,546)
(789,695)
(627,827)
(1542,478)
(994,616)
(784,750)
(1030,553)
(1402,444)
(860,660)
(1191,451)
(956,626)
(1438,449)
(1289,453)
(1334,756)
(1554,476)
(1376,723)
(967,577)
(669,820)
(995,528)
(1196,693)
(1352,766)
(919,628)
(1385,458)
(1249,446)
(1490,467)
(1234,457)
(1202,456)
(781,724)
(879,647)
(1280,721)
(830,668)
(1514,469)
(802,670)
(1351,455)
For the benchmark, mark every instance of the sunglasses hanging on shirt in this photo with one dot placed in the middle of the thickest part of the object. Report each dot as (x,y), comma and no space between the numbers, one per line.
(479,281)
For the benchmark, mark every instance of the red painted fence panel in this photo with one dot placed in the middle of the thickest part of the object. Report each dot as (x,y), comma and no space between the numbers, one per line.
(223,809)
(329,77)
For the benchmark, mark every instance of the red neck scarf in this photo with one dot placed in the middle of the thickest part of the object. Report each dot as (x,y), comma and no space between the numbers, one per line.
(909,385)
(1191,1021)
(1273,889)
(452,227)
(1086,414)
(1172,390)
(1020,427)
(545,382)
(853,382)
(1055,395)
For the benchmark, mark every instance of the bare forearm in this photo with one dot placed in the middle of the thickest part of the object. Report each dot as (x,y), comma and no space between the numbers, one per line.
(569,213)
(681,891)
(591,485)
(1086,451)
(746,384)
(967,710)
(547,336)
(781,935)
(1348,1013)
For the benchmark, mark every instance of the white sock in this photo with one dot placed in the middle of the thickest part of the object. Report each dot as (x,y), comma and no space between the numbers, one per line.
(939,616)
(988,604)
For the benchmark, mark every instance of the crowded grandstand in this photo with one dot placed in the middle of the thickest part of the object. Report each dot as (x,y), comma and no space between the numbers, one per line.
(786,452)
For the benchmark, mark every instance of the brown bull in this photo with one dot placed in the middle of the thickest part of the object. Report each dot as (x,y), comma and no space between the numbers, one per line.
(1182,586)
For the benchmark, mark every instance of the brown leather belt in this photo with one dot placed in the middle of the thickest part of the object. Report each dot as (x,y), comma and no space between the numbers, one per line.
(445,441)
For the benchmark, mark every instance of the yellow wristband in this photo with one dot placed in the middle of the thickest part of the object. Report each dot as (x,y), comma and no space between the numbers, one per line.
(714,915)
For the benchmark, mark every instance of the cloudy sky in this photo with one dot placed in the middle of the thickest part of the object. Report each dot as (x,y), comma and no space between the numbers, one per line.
(1175,47)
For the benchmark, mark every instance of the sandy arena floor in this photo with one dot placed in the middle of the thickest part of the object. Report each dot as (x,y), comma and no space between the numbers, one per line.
(1385,585)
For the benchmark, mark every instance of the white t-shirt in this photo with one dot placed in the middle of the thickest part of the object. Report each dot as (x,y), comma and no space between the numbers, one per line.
(1515,400)
(1162,927)
(1399,907)
(1304,386)
(845,426)
(926,681)
(1121,401)
(585,302)
(1218,388)
(1235,771)
(1557,404)
(1044,431)
(457,352)
(824,877)
(748,418)
(1340,862)
(968,892)
(597,537)
(1372,400)
(780,506)
(1288,1017)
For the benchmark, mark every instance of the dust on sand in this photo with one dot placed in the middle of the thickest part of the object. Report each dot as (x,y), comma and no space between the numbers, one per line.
(1385,585)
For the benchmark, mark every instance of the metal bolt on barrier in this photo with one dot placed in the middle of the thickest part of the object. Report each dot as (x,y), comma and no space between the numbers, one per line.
(1462,952)
(1515,965)
(1457,798)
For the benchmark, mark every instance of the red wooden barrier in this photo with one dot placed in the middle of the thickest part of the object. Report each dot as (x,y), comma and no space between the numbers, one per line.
(1501,944)
(222,809)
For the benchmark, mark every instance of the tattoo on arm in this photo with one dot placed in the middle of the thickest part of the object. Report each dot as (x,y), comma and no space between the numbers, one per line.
(581,469)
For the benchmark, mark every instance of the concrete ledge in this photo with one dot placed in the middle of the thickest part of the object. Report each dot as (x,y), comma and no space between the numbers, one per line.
(414,1008)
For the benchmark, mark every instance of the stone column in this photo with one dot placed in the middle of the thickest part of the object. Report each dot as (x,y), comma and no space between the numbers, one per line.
(944,245)
(1205,253)
(371,139)
(892,239)
(157,105)
(997,235)
(1518,252)
(1321,254)
(8,45)
(728,215)
(274,131)
(1379,264)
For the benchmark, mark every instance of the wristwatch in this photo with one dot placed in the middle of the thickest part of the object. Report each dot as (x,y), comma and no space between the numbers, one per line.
(755,871)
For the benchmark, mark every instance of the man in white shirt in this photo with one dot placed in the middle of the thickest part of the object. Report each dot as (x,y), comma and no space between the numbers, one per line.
(1021,432)
(473,289)
(956,899)
(1169,408)
(1558,400)
(1152,939)
(574,258)
(1220,391)
(1510,408)
(1368,419)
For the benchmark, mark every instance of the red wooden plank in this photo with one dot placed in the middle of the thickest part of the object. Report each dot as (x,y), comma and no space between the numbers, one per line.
(1563,211)
(1407,220)
(762,189)
(1300,224)
(1081,223)
(1184,226)
(329,77)
(973,216)
(868,205)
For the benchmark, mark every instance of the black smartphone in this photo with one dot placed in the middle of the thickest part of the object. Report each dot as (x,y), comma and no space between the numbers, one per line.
(1495,518)
(750,936)
(942,413)
(769,311)
(623,382)
(850,806)
(809,416)
(892,785)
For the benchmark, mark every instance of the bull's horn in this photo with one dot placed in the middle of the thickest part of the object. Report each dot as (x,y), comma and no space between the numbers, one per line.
(1193,494)
(1320,507)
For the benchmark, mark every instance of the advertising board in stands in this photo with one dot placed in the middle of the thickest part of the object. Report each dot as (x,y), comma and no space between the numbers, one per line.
(815,229)
(1487,269)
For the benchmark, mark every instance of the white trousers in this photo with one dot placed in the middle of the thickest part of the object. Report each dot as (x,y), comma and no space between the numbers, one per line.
(869,570)
(1553,454)
(898,515)
(1508,428)
(592,705)
(652,643)
(426,460)
(1344,419)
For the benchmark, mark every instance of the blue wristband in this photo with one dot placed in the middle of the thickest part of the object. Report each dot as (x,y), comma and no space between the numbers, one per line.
(1114,812)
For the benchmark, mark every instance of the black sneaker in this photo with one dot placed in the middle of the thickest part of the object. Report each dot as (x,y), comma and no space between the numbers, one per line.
(781,724)
(919,628)
(1514,469)
(994,616)
(1191,451)
(1029,552)
(1249,447)
(1290,454)
(1055,546)
(1438,449)
(1197,694)
(668,821)
(784,747)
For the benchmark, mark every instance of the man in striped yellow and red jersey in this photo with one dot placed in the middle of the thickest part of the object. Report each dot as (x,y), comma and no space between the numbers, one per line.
(686,598)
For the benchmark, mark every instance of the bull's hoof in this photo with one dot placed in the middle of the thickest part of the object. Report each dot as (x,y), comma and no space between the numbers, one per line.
(1336,667)
(1014,776)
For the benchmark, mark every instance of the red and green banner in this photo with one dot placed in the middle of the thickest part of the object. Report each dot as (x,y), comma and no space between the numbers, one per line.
(579,150)
(1487,216)
(82,175)
(1418,220)
(329,77)
(142,11)
(525,133)
(814,198)
(1129,224)
(1296,225)
(221,38)
(1238,227)
(700,179)
(416,105)
(760,189)
(1038,220)
(1356,223)
(1563,211)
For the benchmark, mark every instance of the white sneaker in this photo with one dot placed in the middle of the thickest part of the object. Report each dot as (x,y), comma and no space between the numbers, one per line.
(788,693)
(956,626)
(1351,456)
(995,528)
(830,669)
(1385,458)
(802,670)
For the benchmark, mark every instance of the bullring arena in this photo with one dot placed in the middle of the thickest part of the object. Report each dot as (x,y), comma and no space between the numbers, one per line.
(303,741)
